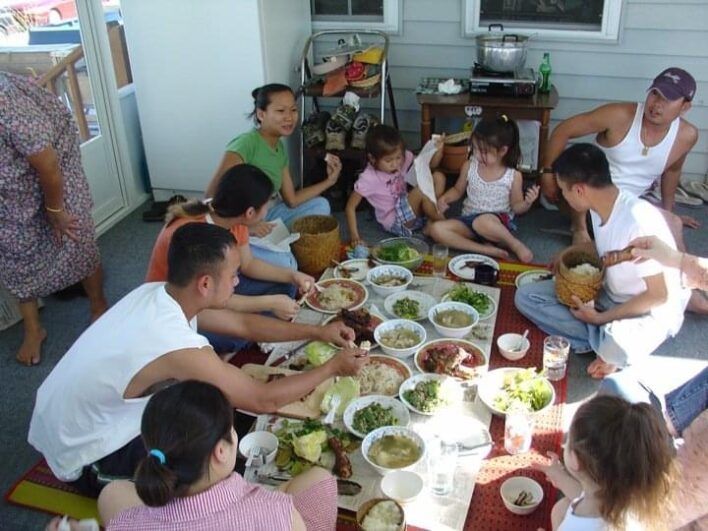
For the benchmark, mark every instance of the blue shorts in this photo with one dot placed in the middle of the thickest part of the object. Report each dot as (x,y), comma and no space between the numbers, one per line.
(406,221)
(504,217)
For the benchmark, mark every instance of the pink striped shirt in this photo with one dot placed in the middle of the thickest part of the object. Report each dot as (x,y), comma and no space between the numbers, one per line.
(235,504)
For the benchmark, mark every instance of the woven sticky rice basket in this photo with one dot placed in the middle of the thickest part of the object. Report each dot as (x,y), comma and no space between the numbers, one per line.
(318,245)
(569,283)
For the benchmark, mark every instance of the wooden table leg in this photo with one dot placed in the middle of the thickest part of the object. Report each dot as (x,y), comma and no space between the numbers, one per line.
(425,125)
(543,136)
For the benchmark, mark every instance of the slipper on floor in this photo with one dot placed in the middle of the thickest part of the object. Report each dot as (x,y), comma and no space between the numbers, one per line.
(696,188)
(681,197)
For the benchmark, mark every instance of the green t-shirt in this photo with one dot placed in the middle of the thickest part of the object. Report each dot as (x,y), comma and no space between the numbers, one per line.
(253,149)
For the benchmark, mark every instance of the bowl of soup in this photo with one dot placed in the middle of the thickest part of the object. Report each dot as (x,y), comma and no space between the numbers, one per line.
(388,279)
(392,448)
(453,319)
(400,338)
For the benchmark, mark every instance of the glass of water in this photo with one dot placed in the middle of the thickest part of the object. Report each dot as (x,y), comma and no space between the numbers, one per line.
(439,259)
(555,357)
(442,462)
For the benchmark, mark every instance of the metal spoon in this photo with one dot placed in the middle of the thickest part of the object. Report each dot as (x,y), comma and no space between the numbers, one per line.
(520,345)
(255,452)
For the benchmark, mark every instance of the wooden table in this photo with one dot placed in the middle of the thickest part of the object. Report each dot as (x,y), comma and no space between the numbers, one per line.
(537,107)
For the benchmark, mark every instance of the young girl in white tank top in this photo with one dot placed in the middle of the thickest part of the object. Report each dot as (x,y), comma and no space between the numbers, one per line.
(619,469)
(493,191)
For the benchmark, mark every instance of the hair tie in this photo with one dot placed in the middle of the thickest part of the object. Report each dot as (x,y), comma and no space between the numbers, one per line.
(158,454)
(504,117)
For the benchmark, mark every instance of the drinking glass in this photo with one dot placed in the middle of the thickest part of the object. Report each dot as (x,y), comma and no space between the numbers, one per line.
(439,259)
(555,357)
(442,462)
(518,429)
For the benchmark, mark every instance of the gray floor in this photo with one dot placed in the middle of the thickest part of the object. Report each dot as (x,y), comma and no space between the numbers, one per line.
(126,250)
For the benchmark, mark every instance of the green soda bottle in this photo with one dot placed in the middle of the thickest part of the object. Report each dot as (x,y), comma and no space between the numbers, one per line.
(544,71)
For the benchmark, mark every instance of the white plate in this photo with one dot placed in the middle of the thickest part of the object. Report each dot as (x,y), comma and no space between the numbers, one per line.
(456,264)
(528,277)
(482,316)
(426,302)
(452,388)
(362,264)
(491,385)
(399,411)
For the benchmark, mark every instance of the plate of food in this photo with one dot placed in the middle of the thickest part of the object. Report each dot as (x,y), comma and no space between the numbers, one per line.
(532,276)
(406,252)
(463,265)
(355,269)
(500,388)
(335,294)
(480,301)
(454,357)
(382,375)
(426,394)
(413,305)
(368,413)
(362,321)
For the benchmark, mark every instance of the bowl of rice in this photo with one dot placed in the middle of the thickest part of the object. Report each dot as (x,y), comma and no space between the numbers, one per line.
(381,514)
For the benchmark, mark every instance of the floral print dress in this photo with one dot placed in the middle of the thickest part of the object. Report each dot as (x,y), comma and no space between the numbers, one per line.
(32,262)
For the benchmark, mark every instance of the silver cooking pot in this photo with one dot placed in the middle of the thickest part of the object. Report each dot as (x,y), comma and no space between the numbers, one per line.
(501,52)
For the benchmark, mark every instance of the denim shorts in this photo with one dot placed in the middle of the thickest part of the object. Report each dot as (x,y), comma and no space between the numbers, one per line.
(504,217)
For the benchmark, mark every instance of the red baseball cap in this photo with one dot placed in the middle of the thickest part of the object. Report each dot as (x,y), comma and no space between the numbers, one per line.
(674,83)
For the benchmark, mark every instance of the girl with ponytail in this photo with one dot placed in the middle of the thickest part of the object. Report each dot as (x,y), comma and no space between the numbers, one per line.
(186,481)
(494,195)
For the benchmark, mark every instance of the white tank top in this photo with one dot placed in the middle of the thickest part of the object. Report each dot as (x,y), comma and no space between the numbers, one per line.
(633,167)
(484,196)
(80,415)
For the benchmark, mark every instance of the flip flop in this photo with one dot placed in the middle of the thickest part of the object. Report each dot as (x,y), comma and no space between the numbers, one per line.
(696,188)
(681,197)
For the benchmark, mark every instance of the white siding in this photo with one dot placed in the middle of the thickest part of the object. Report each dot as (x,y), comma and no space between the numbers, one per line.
(655,34)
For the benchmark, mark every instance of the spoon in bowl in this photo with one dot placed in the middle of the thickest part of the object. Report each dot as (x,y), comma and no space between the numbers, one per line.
(520,345)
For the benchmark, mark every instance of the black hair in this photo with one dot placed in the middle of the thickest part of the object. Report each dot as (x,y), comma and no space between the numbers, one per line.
(185,422)
(583,164)
(197,249)
(240,187)
(383,140)
(262,96)
(498,133)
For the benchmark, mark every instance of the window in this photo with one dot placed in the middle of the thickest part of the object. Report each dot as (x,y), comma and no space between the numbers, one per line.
(381,15)
(571,20)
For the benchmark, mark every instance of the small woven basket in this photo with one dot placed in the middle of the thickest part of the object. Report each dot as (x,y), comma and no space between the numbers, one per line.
(318,245)
(568,283)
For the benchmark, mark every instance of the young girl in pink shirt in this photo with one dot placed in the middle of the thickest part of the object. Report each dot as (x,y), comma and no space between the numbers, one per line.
(383,185)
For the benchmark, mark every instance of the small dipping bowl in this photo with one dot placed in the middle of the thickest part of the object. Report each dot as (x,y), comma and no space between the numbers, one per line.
(507,344)
(513,486)
(402,485)
(264,439)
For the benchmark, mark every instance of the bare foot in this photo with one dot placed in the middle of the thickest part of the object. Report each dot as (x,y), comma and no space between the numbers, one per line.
(598,369)
(523,253)
(581,236)
(492,250)
(53,524)
(31,349)
(698,303)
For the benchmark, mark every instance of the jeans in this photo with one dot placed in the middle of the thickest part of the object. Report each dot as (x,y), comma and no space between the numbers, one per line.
(620,342)
(682,405)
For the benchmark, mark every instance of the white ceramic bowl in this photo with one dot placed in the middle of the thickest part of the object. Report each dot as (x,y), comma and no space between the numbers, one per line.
(446,331)
(264,439)
(391,430)
(397,408)
(491,310)
(424,301)
(490,386)
(382,270)
(394,324)
(450,390)
(402,485)
(513,486)
(507,343)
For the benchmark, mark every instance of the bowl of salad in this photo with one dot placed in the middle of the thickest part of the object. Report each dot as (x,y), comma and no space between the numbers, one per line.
(405,252)
(501,388)
(368,413)
(426,394)
(413,305)
(480,301)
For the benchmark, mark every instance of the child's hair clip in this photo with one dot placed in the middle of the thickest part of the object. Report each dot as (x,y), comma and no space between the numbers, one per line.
(504,117)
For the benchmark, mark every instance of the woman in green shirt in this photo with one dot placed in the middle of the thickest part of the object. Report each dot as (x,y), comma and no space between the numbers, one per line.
(276,115)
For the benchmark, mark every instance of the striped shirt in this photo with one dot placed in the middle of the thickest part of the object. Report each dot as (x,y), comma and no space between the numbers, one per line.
(235,504)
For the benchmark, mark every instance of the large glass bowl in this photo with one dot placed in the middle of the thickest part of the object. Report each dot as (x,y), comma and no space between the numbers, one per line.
(414,263)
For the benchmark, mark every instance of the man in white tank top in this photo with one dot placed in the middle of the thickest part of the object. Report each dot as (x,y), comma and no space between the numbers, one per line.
(86,418)
(642,141)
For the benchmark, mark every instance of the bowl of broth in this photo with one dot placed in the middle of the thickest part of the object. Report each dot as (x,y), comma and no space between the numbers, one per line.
(453,319)
(392,448)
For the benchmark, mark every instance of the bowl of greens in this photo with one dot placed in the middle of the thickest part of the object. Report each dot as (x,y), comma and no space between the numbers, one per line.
(426,394)
(483,303)
(368,413)
(413,305)
(501,388)
(405,252)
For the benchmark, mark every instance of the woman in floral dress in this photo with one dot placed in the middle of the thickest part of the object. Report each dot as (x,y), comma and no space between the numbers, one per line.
(47,237)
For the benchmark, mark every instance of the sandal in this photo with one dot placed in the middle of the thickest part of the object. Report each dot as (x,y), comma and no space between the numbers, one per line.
(361,127)
(336,136)
(696,188)
(681,197)
(313,129)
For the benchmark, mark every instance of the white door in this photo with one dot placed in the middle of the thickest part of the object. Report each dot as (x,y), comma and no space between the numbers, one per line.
(44,33)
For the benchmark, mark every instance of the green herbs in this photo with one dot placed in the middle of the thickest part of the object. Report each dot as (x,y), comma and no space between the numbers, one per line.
(525,387)
(406,308)
(373,416)
(479,301)
(397,252)
(426,396)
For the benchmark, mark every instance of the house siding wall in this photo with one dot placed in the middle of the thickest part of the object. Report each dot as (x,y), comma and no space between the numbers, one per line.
(654,34)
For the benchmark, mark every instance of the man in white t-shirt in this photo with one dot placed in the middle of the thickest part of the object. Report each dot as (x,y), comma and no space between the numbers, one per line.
(641,303)
(86,419)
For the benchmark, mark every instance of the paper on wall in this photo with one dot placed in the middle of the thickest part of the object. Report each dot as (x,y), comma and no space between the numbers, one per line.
(529,136)
(419,173)
(278,240)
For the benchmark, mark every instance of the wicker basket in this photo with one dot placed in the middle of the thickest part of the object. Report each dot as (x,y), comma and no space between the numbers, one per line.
(318,245)
(365,507)
(568,283)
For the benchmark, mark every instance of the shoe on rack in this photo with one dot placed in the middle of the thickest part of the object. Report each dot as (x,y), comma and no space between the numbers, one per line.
(344,116)
(336,136)
(313,129)
(362,125)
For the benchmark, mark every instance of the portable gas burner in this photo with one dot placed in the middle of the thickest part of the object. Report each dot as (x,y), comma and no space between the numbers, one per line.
(486,82)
